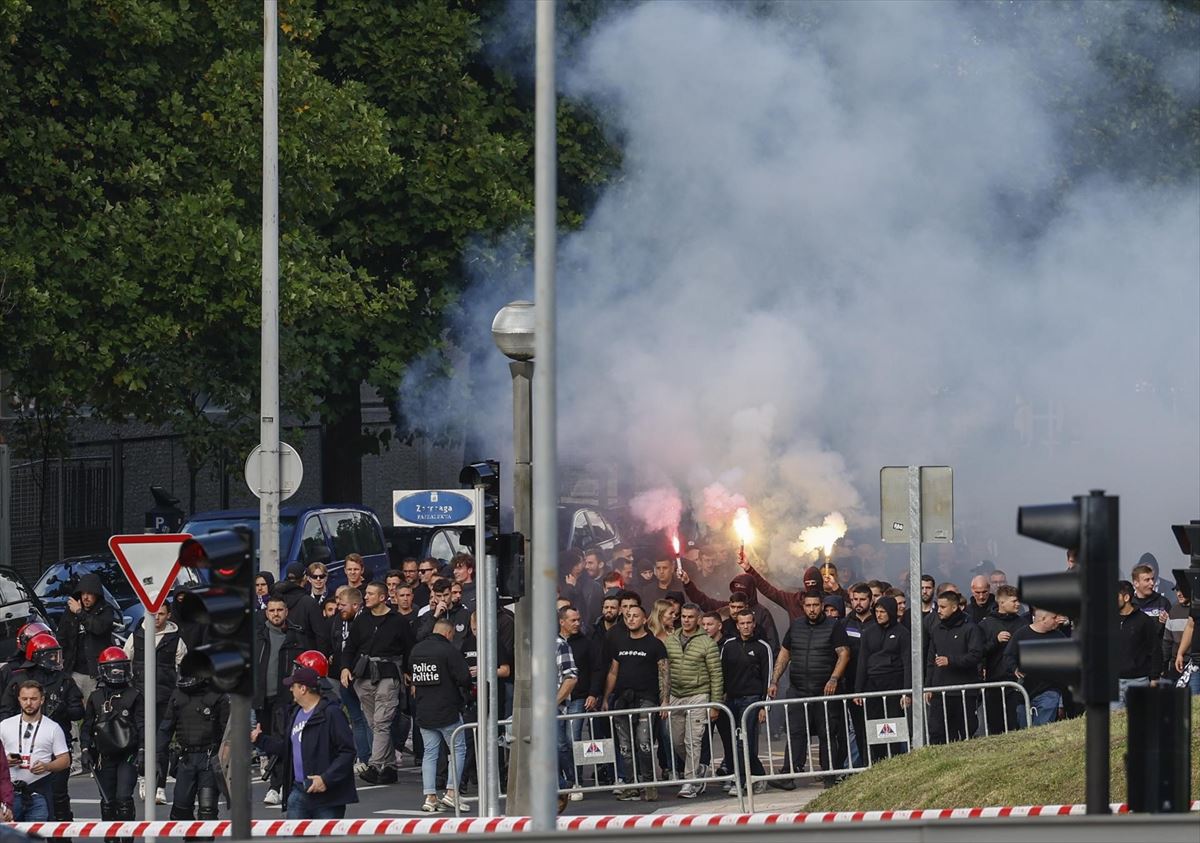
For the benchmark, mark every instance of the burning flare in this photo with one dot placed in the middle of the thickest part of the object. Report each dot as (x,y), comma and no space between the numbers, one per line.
(815,539)
(675,544)
(741,525)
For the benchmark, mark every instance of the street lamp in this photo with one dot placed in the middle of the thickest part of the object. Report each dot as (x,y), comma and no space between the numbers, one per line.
(513,331)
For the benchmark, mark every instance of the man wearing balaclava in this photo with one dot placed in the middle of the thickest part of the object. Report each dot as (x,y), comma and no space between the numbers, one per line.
(745,584)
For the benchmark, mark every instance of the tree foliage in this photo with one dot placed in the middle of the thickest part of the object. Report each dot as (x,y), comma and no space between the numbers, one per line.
(130,195)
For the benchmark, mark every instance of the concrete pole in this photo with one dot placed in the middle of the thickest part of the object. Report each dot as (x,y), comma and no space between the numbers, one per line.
(543,776)
(518,766)
(485,613)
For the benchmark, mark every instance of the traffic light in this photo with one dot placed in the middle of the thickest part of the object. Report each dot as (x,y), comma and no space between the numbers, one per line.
(1087,595)
(224,608)
(510,565)
(1187,579)
(486,474)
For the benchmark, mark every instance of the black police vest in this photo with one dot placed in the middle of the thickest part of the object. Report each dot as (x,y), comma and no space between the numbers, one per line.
(196,726)
(810,656)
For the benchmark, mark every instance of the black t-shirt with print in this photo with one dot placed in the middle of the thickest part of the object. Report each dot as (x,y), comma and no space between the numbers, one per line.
(637,664)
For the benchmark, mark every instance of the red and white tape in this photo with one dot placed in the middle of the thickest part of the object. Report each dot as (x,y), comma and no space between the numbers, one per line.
(492,825)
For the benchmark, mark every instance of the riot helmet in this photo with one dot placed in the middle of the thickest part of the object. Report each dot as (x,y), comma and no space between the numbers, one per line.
(44,651)
(314,659)
(115,669)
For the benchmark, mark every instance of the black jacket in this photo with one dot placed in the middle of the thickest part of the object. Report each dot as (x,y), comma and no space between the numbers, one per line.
(962,643)
(387,636)
(63,703)
(293,646)
(746,667)
(303,612)
(165,651)
(1033,684)
(84,636)
(195,718)
(458,615)
(441,680)
(588,652)
(994,662)
(1138,646)
(327,750)
(855,631)
(977,613)
(885,657)
(339,636)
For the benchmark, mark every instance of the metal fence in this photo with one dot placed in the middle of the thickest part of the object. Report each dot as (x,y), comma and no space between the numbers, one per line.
(634,751)
(57,508)
(854,731)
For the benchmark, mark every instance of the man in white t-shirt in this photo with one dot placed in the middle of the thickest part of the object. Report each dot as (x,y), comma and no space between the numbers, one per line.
(36,747)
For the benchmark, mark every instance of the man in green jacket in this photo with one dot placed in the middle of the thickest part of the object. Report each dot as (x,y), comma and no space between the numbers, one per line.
(696,677)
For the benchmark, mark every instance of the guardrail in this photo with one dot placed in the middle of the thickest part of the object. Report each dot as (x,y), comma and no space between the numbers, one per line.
(633,737)
(842,723)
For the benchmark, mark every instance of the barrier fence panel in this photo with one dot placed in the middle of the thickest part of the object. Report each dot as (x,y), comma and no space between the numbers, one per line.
(635,751)
(854,731)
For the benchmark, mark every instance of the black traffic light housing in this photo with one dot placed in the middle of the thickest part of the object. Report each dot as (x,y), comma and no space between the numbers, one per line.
(510,566)
(1086,594)
(1187,579)
(224,608)
(486,474)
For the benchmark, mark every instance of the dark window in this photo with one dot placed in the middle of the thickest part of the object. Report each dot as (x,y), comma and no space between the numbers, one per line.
(353,532)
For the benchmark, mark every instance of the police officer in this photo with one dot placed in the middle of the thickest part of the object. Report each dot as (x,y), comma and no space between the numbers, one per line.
(111,734)
(195,716)
(63,704)
(17,660)
(442,680)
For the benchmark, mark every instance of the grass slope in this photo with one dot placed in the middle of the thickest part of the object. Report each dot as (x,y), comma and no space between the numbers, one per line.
(1041,766)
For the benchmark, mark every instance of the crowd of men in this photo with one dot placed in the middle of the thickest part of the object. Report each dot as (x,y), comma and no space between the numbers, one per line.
(382,671)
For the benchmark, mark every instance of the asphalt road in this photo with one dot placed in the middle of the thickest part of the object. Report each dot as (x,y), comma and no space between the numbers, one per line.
(404,799)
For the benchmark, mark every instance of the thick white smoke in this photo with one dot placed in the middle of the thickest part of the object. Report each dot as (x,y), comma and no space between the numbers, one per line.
(838,245)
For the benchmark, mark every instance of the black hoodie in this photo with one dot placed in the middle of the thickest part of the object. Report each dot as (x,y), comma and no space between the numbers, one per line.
(995,664)
(744,583)
(85,634)
(885,653)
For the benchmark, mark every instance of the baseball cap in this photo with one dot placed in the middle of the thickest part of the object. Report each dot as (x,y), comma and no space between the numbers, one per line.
(303,675)
(295,571)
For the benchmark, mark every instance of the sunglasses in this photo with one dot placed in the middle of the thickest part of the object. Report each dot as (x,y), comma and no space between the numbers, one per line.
(318,576)
(425,570)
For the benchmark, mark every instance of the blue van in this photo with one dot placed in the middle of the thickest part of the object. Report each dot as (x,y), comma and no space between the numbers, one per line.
(325,533)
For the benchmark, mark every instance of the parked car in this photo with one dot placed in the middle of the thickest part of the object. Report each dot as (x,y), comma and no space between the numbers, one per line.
(578,526)
(324,533)
(18,606)
(60,580)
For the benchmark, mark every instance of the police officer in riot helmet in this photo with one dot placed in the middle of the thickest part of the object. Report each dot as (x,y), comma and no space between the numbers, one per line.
(111,735)
(195,716)
(17,660)
(63,703)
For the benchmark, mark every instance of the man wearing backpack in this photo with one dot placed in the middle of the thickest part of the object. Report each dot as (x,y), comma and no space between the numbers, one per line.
(111,734)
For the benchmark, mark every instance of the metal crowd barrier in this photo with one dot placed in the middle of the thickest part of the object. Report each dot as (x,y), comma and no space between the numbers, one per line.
(595,745)
(835,720)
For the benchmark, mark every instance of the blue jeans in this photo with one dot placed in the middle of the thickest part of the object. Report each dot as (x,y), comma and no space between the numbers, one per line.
(30,808)
(1194,682)
(568,732)
(738,706)
(358,723)
(1045,709)
(300,807)
(434,739)
(1125,685)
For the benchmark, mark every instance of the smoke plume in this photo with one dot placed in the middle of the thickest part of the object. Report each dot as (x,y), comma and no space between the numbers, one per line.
(843,238)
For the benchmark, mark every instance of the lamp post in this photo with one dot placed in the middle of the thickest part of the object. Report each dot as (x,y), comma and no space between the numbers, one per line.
(513,332)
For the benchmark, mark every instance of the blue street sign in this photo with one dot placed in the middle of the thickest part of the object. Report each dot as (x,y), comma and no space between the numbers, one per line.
(432,508)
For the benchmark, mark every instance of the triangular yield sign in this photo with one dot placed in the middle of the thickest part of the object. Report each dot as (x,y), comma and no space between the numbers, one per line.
(150,562)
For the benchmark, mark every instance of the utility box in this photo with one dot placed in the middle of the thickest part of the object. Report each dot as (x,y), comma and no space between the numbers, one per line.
(1158,755)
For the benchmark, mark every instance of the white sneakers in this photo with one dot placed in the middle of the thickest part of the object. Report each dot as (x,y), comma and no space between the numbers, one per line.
(160,796)
(576,794)
(273,797)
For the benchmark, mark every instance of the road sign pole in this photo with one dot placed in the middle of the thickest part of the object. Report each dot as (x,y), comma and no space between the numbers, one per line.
(916,617)
(486,653)
(150,738)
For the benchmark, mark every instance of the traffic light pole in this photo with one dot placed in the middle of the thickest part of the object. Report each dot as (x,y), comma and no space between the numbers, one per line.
(1098,551)
(487,657)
